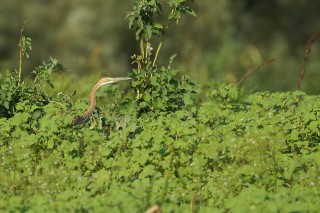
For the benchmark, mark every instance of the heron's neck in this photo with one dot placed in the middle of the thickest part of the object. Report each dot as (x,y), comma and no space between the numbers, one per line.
(93,99)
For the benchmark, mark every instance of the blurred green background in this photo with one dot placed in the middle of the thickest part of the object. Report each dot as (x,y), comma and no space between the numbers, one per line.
(226,40)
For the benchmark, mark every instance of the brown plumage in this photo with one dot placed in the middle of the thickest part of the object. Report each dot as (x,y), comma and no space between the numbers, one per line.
(85,116)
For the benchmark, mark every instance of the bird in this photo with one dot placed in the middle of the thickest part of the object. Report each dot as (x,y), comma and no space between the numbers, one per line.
(80,119)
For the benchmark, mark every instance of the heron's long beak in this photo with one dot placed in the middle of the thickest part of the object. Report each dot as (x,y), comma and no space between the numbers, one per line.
(114,80)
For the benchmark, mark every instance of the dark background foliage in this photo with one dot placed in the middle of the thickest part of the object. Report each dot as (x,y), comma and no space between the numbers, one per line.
(226,40)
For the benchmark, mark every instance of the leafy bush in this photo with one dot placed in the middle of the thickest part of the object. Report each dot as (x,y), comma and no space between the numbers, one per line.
(159,144)
(13,91)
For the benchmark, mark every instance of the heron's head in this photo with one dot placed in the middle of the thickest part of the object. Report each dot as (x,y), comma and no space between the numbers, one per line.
(108,80)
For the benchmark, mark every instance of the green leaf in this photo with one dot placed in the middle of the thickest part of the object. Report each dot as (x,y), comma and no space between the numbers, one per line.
(148,31)
(50,144)
(19,118)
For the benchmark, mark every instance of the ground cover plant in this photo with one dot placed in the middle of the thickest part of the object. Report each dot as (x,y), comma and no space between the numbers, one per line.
(165,140)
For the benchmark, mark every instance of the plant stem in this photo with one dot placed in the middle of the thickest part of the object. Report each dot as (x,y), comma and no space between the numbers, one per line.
(157,53)
(20,55)
(142,48)
(20,52)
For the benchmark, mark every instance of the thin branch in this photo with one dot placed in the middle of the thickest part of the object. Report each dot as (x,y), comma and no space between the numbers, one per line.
(157,53)
(305,58)
(251,71)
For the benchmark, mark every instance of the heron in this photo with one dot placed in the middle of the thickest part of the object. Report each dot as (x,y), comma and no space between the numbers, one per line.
(79,119)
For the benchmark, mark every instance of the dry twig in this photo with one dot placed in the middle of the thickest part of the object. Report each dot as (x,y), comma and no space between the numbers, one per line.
(305,58)
(251,71)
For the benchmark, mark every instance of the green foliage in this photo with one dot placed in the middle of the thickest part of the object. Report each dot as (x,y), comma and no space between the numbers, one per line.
(14,92)
(255,153)
(142,18)
(26,46)
(224,43)
(179,7)
(158,91)
(162,144)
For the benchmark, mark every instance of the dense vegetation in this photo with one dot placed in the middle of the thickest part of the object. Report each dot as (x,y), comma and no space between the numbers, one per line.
(227,39)
(164,140)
